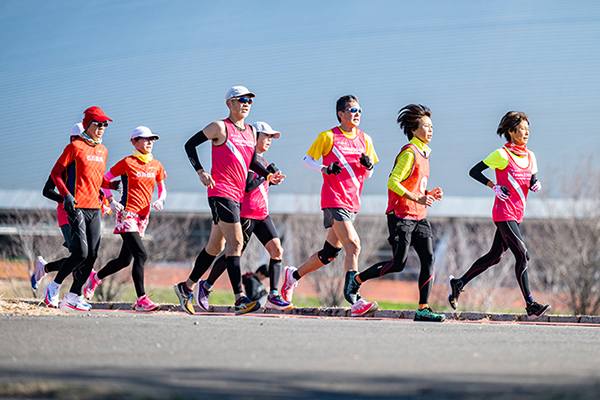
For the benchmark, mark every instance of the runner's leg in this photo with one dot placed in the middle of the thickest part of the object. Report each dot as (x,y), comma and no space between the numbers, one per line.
(484,262)
(93,232)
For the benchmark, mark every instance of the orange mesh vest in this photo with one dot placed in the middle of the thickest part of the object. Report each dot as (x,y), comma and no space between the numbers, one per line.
(415,183)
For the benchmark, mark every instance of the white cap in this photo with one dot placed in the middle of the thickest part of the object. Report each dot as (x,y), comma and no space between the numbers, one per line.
(266,128)
(238,91)
(143,132)
(77,129)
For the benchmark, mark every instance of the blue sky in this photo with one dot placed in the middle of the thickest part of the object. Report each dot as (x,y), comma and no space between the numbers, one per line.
(168,65)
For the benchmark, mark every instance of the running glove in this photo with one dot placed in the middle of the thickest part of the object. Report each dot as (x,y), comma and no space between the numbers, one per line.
(502,192)
(366,161)
(333,168)
(158,205)
(535,186)
(116,206)
(69,203)
(272,168)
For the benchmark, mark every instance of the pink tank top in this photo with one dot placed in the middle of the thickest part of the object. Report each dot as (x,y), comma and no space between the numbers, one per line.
(255,204)
(344,190)
(517,180)
(230,163)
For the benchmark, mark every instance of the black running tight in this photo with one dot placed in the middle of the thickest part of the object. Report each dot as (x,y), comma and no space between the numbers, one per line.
(424,248)
(508,236)
(85,235)
(132,249)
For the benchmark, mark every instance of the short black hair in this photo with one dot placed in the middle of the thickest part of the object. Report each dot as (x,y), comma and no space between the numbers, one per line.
(510,122)
(409,117)
(342,103)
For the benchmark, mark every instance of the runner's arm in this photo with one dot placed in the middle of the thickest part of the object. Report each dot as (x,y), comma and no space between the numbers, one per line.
(56,176)
(252,183)
(50,192)
(190,149)
(310,163)
(477,173)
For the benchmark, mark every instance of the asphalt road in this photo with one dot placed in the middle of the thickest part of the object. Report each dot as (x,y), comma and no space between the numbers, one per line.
(106,355)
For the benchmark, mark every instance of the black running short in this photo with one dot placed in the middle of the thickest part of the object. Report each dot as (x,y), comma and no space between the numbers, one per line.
(264,229)
(224,209)
(403,230)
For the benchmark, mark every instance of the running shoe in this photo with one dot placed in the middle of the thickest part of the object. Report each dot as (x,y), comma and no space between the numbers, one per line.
(351,287)
(277,303)
(91,286)
(51,298)
(454,290)
(185,297)
(145,304)
(536,310)
(244,305)
(72,302)
(362,308)
(427,315)
(289,283)
(202,295)
(39,271)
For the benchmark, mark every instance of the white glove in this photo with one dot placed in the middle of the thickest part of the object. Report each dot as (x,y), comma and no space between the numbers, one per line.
(501,192)
(116,206)
(158,205)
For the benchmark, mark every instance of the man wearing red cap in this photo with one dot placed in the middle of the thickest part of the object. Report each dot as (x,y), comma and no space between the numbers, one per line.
(84,161)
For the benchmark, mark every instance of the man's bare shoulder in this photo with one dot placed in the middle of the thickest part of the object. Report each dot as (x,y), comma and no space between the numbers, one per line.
(215,130)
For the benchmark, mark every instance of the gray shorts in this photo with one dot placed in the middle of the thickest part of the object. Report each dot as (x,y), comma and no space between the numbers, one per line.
(338,214)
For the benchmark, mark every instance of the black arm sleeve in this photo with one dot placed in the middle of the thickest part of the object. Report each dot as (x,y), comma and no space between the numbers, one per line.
(190,149)
(252,183)
(533,179)
(476,173)
(257,166)
(50,192)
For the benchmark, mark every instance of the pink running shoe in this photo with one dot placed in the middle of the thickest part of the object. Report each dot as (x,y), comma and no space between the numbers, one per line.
(362,308)
(145,304)
(289,283)
(91,286)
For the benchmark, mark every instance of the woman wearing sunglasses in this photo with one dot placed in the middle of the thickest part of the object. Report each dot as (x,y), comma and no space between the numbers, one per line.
(140,172)
(233,154)
(516,170)
(82,205)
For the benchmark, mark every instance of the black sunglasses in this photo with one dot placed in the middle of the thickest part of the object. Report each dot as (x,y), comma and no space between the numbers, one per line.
(243,100)
(100,124)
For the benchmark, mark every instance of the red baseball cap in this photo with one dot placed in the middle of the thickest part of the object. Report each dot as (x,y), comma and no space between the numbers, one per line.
(94,114)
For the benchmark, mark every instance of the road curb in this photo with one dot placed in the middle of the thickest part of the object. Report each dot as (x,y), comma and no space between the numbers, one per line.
(340,312)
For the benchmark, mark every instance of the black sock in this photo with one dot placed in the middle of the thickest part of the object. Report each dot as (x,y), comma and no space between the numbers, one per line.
(296,275)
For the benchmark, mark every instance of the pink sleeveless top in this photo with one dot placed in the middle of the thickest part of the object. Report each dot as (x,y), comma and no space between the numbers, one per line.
(255,204)
(230,163)
(517,180)
(344,190)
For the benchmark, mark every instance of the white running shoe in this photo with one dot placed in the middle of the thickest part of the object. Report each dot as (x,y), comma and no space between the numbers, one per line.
(289,283)
(39,271)
(51,299)
(92,284)
(72,302)
(362,308)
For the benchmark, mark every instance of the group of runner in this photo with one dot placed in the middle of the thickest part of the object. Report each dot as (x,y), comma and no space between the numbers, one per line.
(84,193)
(238,187)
